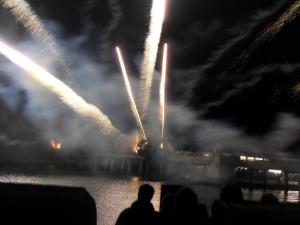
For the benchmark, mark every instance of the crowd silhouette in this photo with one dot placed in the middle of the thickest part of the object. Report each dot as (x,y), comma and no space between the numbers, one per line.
(141,211)
(183,208)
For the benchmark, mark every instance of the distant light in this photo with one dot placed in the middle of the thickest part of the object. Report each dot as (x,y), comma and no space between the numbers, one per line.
(243,158)
(207,154)
(162,145)
(276,172)
(259,159)
(241,168)
(250,158)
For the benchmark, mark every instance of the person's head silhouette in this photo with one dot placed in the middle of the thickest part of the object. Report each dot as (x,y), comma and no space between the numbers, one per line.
(145,193)
(231,193)
(185,199)
(268,199)
(168,203)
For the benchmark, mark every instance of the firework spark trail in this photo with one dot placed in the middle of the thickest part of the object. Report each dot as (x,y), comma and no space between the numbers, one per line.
(150,52)
(162,90)
(290,14)
(65,93)
(272,29)
(25,15)
(129,92)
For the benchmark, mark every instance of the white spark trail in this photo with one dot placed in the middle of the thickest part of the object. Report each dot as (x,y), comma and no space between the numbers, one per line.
(150,52)
(65,93)
(25,15)
(129,92)
(289,15)
(162,90)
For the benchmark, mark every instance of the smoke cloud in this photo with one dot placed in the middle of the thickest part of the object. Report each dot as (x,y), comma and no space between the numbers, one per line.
(228,64)
(116,11)
(102,86)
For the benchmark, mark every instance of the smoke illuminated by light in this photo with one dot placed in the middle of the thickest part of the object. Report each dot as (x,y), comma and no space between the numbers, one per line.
(150,52)
(65,93)
(162,90)
(129,92)
(26,16)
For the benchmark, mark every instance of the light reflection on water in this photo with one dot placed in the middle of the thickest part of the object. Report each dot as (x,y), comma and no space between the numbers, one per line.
(255,195)
(112,195)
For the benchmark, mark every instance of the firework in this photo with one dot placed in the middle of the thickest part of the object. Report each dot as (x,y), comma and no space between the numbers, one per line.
(26,16)
(129,92)
(150,52)
(290,14)
(271,30)
(162,90)
(65,93)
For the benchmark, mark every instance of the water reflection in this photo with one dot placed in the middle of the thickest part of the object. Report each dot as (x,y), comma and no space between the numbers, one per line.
(255,195)
(112,195)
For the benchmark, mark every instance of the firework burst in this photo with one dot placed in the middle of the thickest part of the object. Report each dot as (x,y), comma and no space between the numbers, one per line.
(25,15)
(65,93)
(150,52)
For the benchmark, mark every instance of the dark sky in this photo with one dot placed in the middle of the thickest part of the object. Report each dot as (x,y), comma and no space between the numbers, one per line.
(207,38)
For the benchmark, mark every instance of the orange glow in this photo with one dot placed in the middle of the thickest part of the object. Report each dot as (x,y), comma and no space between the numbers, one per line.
(135,143)
(55,144)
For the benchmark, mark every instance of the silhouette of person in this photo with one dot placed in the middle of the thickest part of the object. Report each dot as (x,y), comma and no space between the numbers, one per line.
(269,199)
(167,212)
(141,211)
(188,210)
(229,193)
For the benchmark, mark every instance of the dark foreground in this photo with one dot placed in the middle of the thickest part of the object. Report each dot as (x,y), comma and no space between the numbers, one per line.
(48,205)
(111,194)
(40,204)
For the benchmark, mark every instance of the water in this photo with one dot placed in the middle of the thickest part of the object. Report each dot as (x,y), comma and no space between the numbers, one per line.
(255,195)
(112,195)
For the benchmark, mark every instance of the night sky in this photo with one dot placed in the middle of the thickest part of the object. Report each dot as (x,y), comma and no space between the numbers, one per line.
(207,39)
